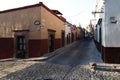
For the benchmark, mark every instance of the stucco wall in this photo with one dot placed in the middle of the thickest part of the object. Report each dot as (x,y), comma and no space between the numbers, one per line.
(50,21)
(99,5)
(24,19)
(19,20)
(98,35)
(67,29)
(111,30)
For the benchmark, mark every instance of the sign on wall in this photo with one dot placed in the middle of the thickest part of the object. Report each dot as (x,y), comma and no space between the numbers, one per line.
(113,20)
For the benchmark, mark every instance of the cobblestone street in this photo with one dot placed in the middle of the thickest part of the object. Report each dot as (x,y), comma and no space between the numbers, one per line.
(46,71)
(36,69)
(83,72)
(59,40)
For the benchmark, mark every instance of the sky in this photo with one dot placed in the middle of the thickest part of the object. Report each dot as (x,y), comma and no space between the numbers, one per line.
(75,11)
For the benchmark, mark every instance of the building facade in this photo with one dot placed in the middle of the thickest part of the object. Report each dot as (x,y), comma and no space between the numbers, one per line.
(107,30)
(68,33)
(30,31)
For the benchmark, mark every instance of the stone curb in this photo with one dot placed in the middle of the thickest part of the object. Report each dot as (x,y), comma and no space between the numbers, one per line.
(107,67)
(43,58)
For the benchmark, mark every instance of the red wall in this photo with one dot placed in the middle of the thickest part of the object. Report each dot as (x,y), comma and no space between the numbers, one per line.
(57,43)
(38,47)
(111,55)
(44,46)
(6,48)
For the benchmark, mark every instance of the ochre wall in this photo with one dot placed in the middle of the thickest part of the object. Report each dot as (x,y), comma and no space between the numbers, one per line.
(20,20)
(50,21)
(23,19)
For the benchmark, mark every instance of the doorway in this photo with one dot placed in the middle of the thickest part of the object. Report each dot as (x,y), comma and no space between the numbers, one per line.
(63,38)
(21,43)
(20,47)
(72,37)
(51,40)
(51,43)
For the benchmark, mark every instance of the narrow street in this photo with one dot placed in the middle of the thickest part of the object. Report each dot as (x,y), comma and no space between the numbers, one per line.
(69,63)
(80,52)
(60,40)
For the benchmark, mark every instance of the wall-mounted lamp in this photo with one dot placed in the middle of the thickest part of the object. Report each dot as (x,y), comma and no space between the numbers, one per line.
(38,24)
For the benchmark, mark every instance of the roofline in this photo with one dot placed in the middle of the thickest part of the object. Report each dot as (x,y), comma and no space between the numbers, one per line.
(57,12)
(31,6)
(51,11)
(20,8)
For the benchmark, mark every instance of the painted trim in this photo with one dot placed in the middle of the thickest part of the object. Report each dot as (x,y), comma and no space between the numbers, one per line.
(6,48)
(38,47)
(111,54)
(58,43)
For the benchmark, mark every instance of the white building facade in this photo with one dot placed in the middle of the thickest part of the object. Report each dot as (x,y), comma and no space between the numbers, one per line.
(107,29)
(68,33)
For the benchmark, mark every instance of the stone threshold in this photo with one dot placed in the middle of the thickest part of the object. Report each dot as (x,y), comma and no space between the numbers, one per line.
(105,67)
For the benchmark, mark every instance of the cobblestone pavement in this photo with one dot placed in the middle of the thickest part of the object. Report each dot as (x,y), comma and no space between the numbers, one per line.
(83,72)
(34,70)
(79,52)
(12,66)
(41,69)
